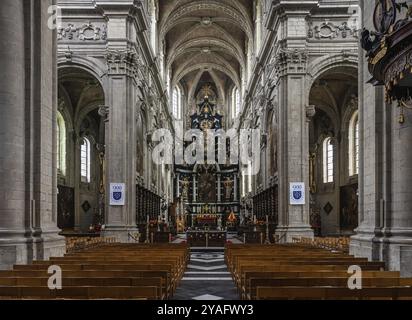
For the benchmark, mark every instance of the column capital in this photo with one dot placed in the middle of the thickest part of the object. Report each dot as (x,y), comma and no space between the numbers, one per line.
(291,61)
(123,62)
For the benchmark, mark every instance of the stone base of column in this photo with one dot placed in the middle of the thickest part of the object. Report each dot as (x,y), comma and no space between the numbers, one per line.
(20,249)
(122,234)
(365,244)
(395,251)
(286,234)
(52,245)
(15,251)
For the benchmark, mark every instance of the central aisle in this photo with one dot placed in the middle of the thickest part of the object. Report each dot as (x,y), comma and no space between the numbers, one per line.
(207,278)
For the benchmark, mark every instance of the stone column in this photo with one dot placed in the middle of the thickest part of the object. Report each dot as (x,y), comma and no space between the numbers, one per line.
(122,60)
(28,105)
(374,196)
(13,216)
(43,72)
(291,17)
(293,142)
(398,224)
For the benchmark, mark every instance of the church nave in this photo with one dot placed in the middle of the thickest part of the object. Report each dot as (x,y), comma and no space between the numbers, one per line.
(205,150)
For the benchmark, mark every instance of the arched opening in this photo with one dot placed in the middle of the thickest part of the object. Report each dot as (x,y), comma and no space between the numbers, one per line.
(177,103)
(85,160)
(80,151)
(61,144)
(334,152)
(328,161)
(353,137)
(258,25)
(235,102)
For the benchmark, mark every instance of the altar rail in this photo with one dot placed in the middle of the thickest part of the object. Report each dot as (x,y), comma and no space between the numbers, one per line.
(206,239)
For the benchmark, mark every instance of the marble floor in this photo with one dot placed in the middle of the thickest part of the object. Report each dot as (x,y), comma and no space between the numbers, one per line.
(207,278)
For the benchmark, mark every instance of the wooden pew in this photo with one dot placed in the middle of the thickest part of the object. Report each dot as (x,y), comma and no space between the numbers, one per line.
(323,293)
(112,271)
(303,271)
(36,278)
(39,293)
(88,282)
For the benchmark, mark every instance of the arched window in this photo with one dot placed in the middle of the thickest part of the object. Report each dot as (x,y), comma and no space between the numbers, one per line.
(250,186)
(235,102)
(177,103)
(85,160)
(354,144)
(61,144)
(243,185)
(153,22)
(328,170)
(258,24)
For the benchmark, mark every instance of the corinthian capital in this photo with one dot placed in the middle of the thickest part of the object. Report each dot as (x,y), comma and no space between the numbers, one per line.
(123,62)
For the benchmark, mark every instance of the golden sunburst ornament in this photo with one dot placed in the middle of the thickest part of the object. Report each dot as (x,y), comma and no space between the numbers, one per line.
(207,91)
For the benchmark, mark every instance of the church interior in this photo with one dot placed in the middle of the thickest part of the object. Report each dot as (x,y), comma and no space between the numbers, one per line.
(206,150)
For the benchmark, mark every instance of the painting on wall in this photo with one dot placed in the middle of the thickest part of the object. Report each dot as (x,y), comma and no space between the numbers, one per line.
(349,208)
(65,208)
(207,188)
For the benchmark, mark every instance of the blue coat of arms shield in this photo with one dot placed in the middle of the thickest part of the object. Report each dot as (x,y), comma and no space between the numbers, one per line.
(117,196)
(297,195)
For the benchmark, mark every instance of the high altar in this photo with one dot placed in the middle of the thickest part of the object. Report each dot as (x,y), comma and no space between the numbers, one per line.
(207,219)
(210,192)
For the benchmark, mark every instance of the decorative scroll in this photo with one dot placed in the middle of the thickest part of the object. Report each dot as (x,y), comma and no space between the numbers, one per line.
(85,32)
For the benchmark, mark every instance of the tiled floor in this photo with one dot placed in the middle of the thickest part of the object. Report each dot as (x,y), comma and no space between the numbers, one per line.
(207,278)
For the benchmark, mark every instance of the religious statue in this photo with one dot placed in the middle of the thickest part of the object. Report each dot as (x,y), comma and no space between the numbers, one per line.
(219,222)
(228,187)
(180,219)
(312,168)
(185,186)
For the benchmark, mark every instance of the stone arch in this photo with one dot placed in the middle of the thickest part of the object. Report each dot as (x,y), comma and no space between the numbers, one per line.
(322,65)
(93,66)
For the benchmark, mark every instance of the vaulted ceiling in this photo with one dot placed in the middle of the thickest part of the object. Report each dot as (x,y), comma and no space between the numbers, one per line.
(206,41)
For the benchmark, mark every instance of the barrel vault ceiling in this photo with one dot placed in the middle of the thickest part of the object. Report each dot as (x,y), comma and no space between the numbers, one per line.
(205,42)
